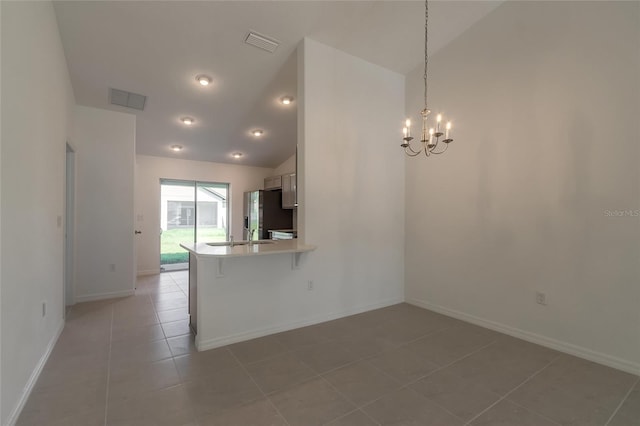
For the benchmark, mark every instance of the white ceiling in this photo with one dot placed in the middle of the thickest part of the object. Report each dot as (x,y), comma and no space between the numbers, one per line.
(156,48)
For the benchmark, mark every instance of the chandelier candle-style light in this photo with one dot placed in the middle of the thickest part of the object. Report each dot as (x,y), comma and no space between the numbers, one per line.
(430,136)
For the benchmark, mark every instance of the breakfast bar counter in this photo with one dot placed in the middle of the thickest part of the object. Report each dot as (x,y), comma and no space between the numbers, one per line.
(235,289)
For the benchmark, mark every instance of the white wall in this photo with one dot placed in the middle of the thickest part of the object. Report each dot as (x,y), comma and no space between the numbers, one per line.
(105,161)
(545,100)
(149,171)
(353,210)
(287,166)
(351,178)
(36,109)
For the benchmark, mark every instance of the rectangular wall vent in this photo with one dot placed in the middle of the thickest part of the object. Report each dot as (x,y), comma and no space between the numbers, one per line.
(127,99)
(262,42)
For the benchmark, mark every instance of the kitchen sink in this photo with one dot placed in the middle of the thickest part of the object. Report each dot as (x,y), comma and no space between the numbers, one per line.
(260,242)
(240,243)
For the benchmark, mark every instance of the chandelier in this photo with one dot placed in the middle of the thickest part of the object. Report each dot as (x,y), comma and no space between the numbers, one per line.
(430,136)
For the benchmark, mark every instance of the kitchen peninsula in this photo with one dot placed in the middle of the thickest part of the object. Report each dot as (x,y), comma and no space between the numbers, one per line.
(232,288)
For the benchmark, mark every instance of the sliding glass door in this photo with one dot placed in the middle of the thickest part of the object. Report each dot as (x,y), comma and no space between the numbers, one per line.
(190,211)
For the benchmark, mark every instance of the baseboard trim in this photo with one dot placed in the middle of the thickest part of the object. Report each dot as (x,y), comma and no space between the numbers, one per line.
(102,296)
(28,388)
(203,345)
(568,348)
(148,272)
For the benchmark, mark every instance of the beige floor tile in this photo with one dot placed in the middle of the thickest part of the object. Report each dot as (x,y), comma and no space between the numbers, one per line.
(164,381)
(361,383)
(403,365)
(176,328)
(340,329)
(503,365)
(130,382)
(366,344)
(629,412)
(257,413)
(225,389)
(402,331)
(355,418)
(67,369)
(406,407)
(182,345)
(446,346)
(54,403)
(257,349)
(204,364)
(279,372)
(311,403)
(134,319)
(90,418)
(135,335)
(173,315)
(506,413)
(125,354)
(167,407)
(302,337)
(167,305)
(573,391)
(462,398)
(326,356)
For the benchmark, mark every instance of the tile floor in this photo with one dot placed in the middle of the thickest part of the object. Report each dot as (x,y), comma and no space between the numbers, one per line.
(131,361)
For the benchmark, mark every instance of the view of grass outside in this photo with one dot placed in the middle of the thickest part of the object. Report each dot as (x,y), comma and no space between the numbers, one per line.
(170,250)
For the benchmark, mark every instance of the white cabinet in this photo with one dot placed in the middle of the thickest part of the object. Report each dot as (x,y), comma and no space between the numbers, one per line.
(273,183)
(289,191)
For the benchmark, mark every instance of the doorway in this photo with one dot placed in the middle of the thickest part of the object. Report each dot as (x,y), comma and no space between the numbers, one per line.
(69,228)
(190,211)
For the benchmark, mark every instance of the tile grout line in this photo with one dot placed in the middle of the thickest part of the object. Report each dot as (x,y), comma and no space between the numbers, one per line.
(257,386)
(106,398)
(622,402)
(407,385)
(367,358)
(515,389)
(351,402)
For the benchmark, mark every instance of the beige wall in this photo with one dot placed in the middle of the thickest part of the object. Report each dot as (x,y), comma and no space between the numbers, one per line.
(545,100)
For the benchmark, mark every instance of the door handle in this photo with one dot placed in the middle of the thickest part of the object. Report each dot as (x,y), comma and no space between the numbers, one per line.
(137,232)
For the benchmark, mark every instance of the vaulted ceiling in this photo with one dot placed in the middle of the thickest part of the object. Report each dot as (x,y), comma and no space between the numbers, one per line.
(156,48)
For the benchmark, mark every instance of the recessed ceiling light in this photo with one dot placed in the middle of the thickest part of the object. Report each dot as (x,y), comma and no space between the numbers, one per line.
(236,155)
(257,132)
(286,100)
(176,148)
(204,80)
(188,120)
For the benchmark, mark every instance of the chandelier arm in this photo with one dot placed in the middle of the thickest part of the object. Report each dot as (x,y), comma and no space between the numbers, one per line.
(440,152)
(410,152)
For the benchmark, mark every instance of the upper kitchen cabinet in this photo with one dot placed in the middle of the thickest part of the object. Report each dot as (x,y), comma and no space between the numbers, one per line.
(289,191)
(273,183)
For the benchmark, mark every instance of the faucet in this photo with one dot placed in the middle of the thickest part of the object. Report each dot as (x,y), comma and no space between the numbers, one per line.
(251,234)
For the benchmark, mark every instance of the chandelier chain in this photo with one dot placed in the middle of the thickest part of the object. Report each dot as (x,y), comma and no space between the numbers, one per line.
(435,139)
(426,52)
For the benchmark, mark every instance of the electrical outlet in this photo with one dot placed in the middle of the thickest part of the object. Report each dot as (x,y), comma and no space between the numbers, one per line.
(44,309)
(112,267)
(541,298)
(309,285)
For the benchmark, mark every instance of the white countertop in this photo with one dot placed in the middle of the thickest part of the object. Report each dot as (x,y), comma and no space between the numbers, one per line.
(278,246)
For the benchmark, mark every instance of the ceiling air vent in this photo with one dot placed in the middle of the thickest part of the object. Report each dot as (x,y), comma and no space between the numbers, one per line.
(127,99)
(261,42)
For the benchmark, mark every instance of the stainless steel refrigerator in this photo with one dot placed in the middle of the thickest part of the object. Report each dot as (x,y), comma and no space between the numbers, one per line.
(263,211)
